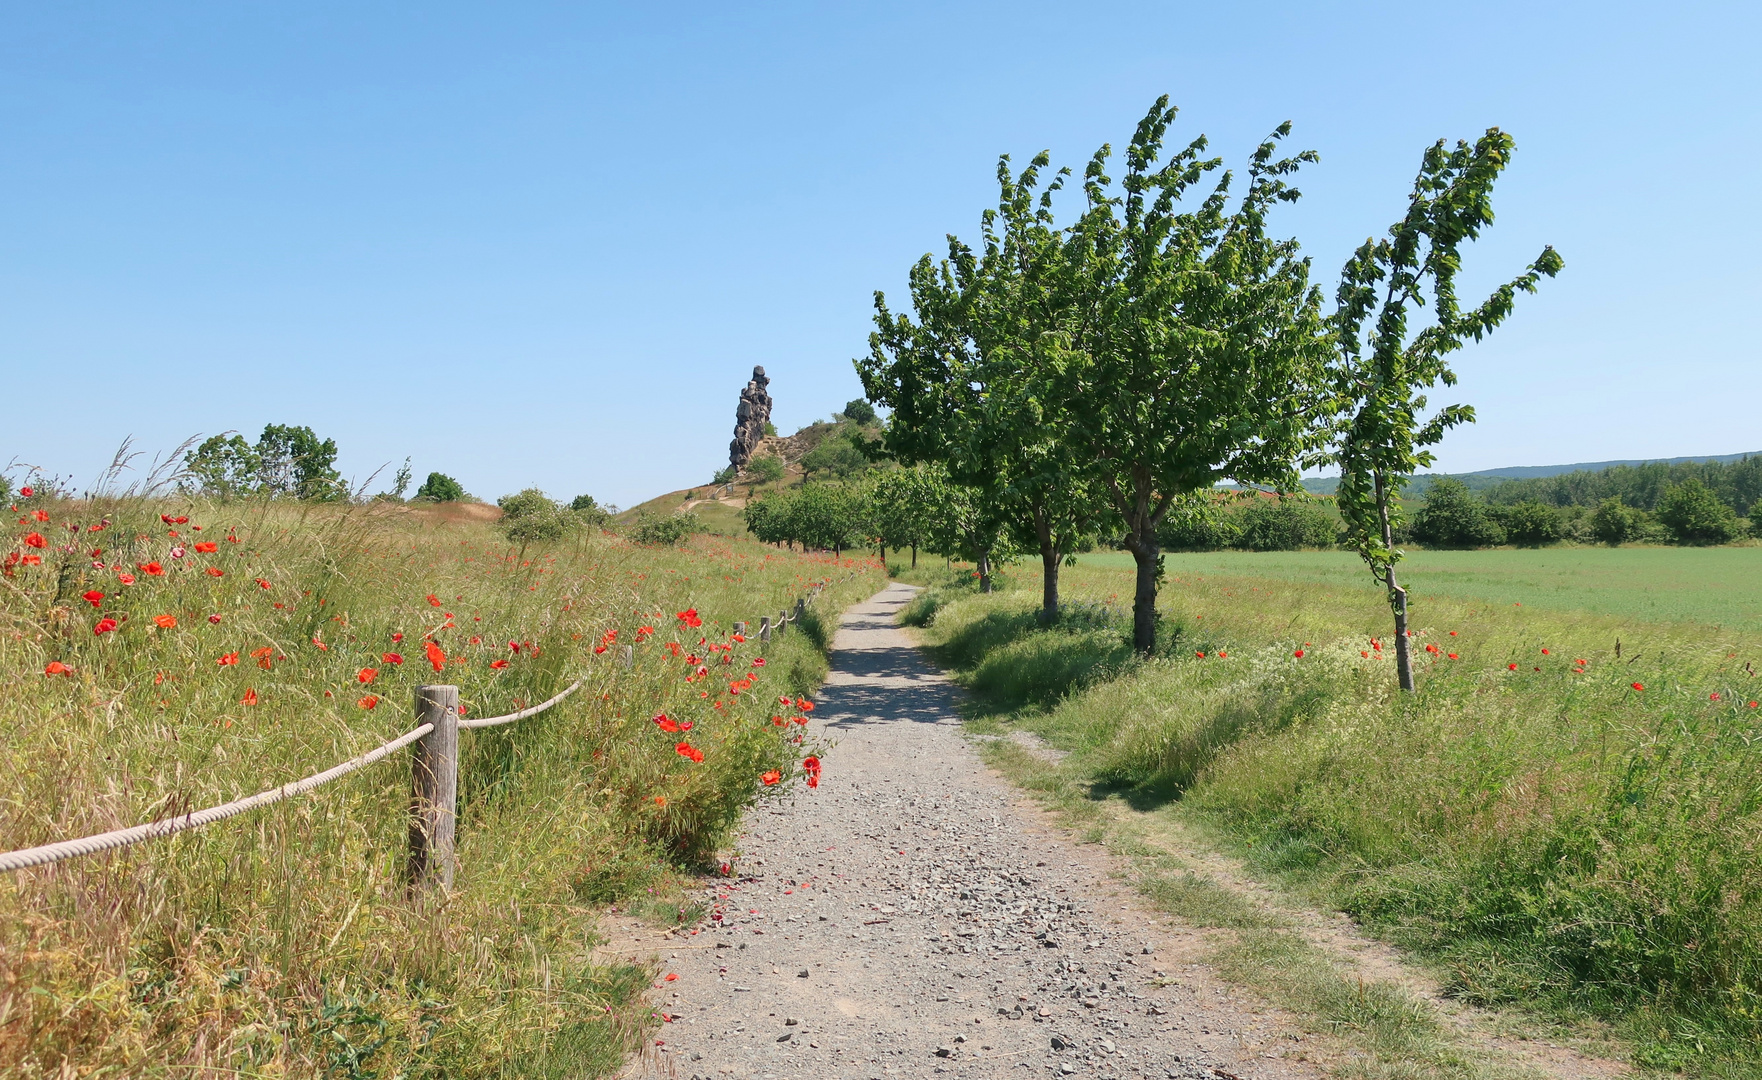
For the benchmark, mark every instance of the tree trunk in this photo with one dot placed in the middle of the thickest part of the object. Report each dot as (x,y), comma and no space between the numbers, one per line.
(1397,595)
(914,556)
(984,571)
(1050,557)
(883,556)
(1144,596)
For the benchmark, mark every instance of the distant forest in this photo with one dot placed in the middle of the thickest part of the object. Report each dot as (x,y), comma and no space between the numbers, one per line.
(1737,483)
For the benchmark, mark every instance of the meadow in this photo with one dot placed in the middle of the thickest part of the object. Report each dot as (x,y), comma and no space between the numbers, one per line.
(1559,824)
(163,655)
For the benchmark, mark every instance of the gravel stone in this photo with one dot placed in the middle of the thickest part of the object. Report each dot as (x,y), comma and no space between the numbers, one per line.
(914,917)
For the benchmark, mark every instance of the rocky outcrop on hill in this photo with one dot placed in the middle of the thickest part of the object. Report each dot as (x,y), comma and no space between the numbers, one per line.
(750,418)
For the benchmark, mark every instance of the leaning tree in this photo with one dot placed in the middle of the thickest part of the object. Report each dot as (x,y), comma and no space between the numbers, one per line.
(1382,365)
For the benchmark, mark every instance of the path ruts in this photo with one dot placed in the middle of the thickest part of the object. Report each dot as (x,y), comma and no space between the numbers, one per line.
(913,917)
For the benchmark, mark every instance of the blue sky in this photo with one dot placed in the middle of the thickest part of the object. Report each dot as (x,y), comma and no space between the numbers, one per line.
(533,244)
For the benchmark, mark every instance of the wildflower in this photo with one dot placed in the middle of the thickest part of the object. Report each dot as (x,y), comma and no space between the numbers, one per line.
(177,551)
(207,547)
(804,704)
(265,657)
(105,626)
(262,584)
(671,976)
(228,659)
(661,800)
(1510,667)
(1364,653)
(250,697)
(40,515)
(597,649)
(758,661)
(1452,633)
(366,675)
(665,723)
(165,518)
(771,777)
(1452,656)
(92,597)
(1298,654)
(1198,654)
(1713,697)
(180,520)
(689,617)
(35,540)
(688,751)
(26,492)
(1544,652)
(644,631)
(151,569)
(215,571)
(215,619)
(1222,655)
(56,667)
(32,560)
(739,637)
(785,700)
(433,600)
(435,655)
(397,637)
(1753,704)
(497,665)
(165,622)
(1639,686)
(368,701)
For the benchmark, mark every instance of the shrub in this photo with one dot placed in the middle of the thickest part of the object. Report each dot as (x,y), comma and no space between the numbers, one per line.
(1201,525)
(1454,518)
(1285,524)
(859,411)
(1614,522)
(652,528)
(1528,524)
(766,470)
(439,487)
(1695,515)
(531,517)
(837,455)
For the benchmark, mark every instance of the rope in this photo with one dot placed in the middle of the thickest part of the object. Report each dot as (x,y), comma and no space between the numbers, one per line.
(67,849)
(493,721)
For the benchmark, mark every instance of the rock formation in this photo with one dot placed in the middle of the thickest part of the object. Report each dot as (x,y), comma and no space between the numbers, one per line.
(750,419)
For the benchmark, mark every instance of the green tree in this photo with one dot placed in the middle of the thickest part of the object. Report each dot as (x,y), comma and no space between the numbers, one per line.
(902,503)
(401,482)
(1199,522)
(1452,517)
(1695,515)
(767,469)
(532,517)
(1614,522)
(295,461)
(663,529)
(1381,369)
(836,456)
(439,487)
(1290,523)
(827,516)
(859,411)
(589,511)
(971,379)
(770,518)
(1528,524)
(223,467)
(1202,344)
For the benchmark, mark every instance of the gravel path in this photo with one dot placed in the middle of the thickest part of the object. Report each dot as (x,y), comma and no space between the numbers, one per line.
(915,917)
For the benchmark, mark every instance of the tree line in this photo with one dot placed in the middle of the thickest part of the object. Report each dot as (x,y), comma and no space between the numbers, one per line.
(1096,376)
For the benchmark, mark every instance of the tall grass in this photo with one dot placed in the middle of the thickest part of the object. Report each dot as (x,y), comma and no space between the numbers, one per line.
(1581,835)
(283,942)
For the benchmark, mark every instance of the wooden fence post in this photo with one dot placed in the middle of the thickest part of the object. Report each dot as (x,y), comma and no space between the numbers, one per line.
(782,622)
(740,627)
(765,629)
(801,607)
(434,788)
(629,656)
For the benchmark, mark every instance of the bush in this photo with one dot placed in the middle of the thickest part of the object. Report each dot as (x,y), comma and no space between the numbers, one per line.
(1285,524)
(439,487)
(1614,522)
(531,517)
(1695,515)
(589,511)
(652,528)
(859,411)
(1454,518)
(1528,524)
(1203,525)
(766,470)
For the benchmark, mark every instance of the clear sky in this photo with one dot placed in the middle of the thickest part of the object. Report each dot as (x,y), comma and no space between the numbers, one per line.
(536,244)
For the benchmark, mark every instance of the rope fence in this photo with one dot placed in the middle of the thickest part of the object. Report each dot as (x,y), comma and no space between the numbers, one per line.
(434,777)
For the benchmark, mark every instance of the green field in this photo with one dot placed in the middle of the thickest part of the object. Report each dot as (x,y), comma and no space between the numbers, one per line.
(1719,586)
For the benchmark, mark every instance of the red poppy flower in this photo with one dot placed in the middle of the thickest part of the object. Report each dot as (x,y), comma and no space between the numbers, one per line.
(1198,654)
(1544,652)
(397,637)
(368,701)
(1452,656)
(92,597)
(366,675)
(390,658)
(215,619)
(56,667)
(151,569)
(207,547)
(1298,653)
(26,491)
(804,704)
(165,518)
(758,661)
(597,649)
(215,571)
(436,656)
(228,659)
(740,637)
(686,750)
(35,540)
(497,665)
(1753,704)
(689,617)
(433,600)
(665,723)
(165,622)
(40,515)
(261,584)
(1639,686)
(1713,697)
(105,625)
(250,697)
(771,777)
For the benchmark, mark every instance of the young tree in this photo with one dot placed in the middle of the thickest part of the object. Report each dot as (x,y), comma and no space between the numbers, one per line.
(970,377)
(224,466)
(1202,344)
(1381,368)
(294,461)
(439,487)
